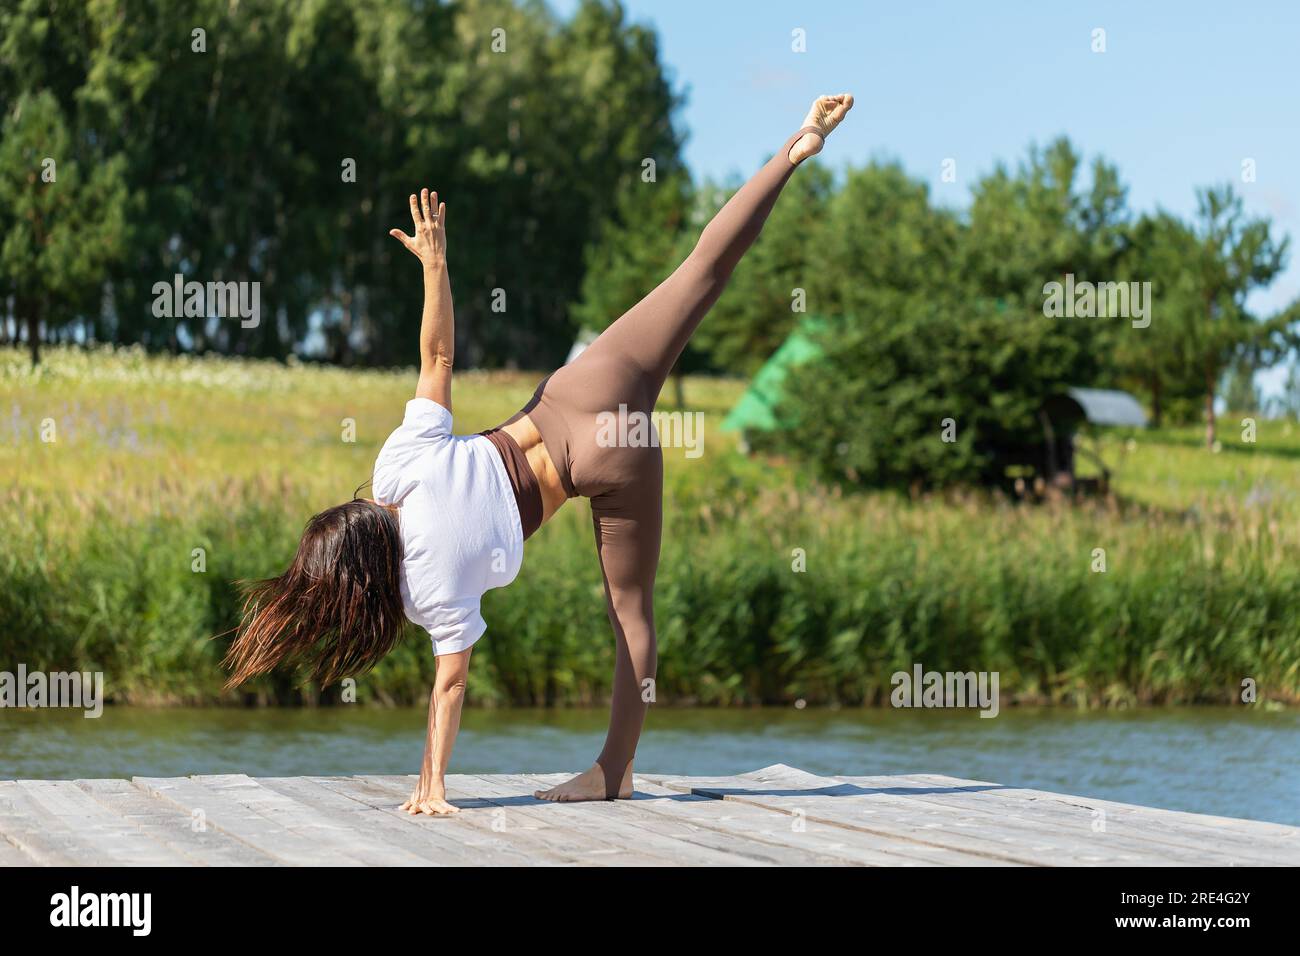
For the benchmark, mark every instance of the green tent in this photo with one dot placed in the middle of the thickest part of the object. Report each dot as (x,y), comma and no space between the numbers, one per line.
(754,411)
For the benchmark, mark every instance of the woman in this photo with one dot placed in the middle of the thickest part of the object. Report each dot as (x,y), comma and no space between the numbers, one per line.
(451,513)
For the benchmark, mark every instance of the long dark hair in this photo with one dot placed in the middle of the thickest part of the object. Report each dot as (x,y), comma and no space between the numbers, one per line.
(338,608)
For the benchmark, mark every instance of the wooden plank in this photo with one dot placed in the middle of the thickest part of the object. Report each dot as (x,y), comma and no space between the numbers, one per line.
(524,818)
(911,831)
(20,827)
(775,816)
(1178,819)
(278,838)
(1204,823)
(1075,843)
(122,841)
(748,822)
(1261,828)
(10,855)
(339,833)
(1178,836)
(42,835)
(980,807)
(433,846)
(485,831)
(985,808)
(901,818)
(618,824)
(174,827)
(469,840)
(761,834)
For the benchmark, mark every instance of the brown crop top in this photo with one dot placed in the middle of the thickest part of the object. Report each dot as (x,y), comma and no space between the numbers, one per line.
(528,493)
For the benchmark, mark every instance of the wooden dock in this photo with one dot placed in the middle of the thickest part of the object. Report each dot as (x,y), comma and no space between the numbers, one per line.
(775,816)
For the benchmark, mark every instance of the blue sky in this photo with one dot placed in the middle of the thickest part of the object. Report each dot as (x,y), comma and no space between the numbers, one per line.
(1184,92)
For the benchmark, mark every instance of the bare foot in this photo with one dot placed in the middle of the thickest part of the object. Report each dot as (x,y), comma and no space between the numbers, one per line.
(825,114)
(588,785)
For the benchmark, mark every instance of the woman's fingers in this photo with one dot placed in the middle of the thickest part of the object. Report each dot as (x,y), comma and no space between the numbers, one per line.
(442,214)
(437,808)
(430,808)
(426,212)
(404,239)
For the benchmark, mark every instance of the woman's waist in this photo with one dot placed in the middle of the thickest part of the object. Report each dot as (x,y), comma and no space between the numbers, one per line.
(542,461)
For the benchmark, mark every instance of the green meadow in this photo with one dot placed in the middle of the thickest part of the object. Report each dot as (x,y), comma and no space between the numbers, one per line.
(137,488)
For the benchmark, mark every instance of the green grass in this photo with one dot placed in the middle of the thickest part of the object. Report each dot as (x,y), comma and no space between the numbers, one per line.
(155,457)
(1171,467)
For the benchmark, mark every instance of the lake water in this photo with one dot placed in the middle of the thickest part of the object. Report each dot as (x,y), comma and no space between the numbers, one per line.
(1231,762)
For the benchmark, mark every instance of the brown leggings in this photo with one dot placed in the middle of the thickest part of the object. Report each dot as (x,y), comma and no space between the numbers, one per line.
(623,370)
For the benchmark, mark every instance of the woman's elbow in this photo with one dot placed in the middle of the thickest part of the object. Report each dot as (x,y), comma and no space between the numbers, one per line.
(449,688)
(450,682)
(451,673)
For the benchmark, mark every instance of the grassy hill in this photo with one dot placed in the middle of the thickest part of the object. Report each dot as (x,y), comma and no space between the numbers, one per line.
(167,478)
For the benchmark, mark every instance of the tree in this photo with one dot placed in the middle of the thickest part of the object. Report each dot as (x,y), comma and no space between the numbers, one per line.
(1232,255)
(554,131)
(937,352)
(1239,391)
(777,282)
(275,142)
(926,391)
(1288,403)
(1156,358)
(61,227)
(635,249)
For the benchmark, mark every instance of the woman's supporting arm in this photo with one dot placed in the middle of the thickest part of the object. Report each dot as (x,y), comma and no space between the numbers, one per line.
(437,323)
(445,703)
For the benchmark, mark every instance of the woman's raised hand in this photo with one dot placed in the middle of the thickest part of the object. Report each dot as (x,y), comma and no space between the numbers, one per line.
(429,244)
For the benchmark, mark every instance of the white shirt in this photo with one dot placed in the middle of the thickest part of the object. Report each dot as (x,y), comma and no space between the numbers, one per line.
(461,533)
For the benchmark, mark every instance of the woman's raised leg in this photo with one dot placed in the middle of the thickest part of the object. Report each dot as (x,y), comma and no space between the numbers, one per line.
(653,332)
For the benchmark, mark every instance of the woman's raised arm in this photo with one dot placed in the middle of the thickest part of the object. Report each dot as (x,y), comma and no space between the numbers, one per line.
(437,325)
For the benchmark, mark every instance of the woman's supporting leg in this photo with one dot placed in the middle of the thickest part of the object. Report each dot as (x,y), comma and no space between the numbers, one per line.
(637,352)
(628,525)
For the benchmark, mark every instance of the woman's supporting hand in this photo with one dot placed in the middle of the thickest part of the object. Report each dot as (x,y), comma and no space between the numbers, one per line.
(429,244)
(429,798)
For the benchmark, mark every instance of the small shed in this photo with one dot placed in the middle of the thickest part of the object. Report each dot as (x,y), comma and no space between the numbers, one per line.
(1099,406)
(1064,417)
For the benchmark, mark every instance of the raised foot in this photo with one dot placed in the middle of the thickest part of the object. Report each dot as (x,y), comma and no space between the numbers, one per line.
(588,785)
(826,113)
